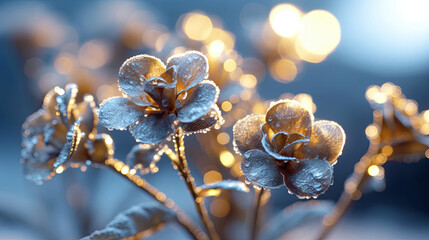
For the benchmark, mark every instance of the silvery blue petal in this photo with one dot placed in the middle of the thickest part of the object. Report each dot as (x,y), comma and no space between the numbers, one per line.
(212,118)
(73,140)
(119,113)
(198,102)
(308,178)
(247,133)
(261,169)
(154,128)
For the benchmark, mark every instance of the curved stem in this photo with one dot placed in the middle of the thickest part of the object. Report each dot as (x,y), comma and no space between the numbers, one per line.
(257,204)
(351,192)
(123,170)
(179,161)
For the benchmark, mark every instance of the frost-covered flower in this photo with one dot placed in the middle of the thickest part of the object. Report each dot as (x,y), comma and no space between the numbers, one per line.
(60,133)
(398,123)
(287,146)
(157,99)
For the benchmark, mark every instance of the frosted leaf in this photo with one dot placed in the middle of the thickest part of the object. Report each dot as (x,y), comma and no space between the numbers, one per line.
(289,116)
(247,133)
(205,123)
(66,102)
(192,67)
(261,169)
(224,185)
(119,113)
(154,128)
(73,138)
(134,71)
(308,178)
(294,216)
(326,142)
(144,157)
(199,101)
(135,223)
(102,148)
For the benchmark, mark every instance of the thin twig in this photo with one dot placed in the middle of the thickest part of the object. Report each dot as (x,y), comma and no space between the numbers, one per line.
(123,170)
(351,190)
(257,204)
(179,160)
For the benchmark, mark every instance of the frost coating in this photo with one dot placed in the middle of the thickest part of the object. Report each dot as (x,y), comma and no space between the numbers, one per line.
(158,100)
(143,157)
(118,113)
(308,178)
(224,185)
(259,168)
(285,142)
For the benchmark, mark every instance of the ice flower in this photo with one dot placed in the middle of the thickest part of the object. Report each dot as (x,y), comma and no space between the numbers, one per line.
(286,146)
(157,99)
(61,132)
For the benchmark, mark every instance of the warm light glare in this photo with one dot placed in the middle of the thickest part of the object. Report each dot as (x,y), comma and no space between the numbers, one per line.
(59,169)
(197,26)
(285,20)
(226,106)
(227,158)
(373,170)
(212,176)
(223,138)
(283,70)
(248,81)
(216,48)
(320,32)
(371,131)
(229,65)
(219,207)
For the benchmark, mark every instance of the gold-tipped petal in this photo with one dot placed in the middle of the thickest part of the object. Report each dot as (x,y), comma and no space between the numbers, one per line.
(134,71)
(191,68)
(326,142)
(289,116)
(247,133)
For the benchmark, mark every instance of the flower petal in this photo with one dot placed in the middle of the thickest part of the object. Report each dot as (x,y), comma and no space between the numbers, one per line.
(247,133)
(326,142)
(88,114)
(73,140)
(119,113)
(66,102)
(308,178)
(192,67)
(291,117)
(205,123)
(134,71)
(272,152)
(143,157)
(153,128)
(49,102)
(261,169)
(199,100)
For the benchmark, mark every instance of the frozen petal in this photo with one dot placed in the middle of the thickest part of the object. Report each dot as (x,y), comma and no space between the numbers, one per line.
(134,71)
(144,157)
(205,123)
(291,117)
(261,169)
(119,113)
(326,142)
(73,140)
(192,67)
(49,102)
(247,133)
(198,102)
(308,178)
(88,114)
(272,152)
(154,128)
(66,102)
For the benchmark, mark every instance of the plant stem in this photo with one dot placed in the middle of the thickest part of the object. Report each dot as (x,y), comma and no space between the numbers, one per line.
(351,192)
(186,222)
(179,160)
(257,204)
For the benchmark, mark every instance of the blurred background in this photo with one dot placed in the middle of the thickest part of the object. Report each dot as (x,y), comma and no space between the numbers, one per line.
(322,53)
